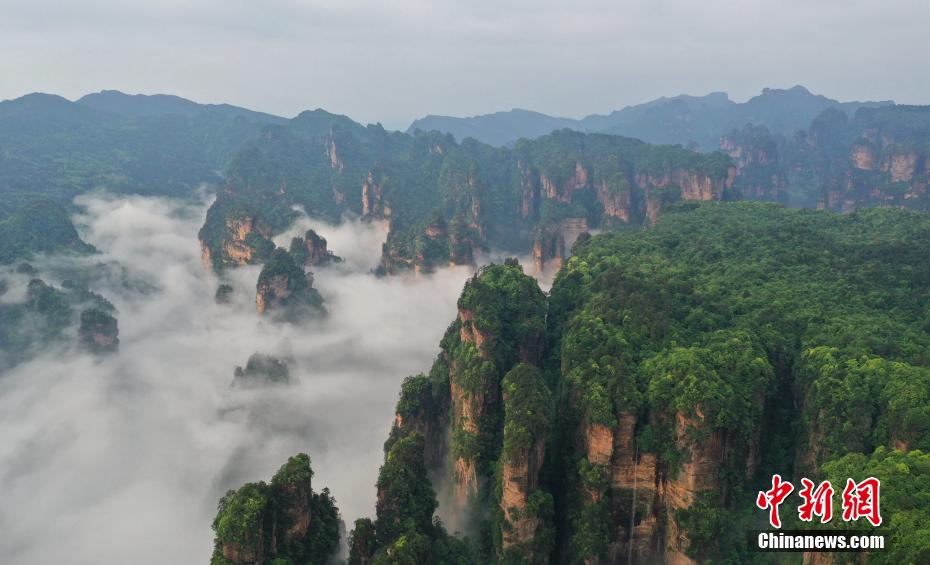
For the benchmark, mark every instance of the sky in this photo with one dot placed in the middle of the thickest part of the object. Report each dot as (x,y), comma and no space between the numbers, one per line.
(391,62)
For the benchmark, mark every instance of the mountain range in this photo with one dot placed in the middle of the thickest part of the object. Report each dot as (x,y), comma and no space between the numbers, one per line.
(696,121)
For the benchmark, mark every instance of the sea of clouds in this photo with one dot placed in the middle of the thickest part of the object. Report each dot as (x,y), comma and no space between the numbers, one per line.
(122,459)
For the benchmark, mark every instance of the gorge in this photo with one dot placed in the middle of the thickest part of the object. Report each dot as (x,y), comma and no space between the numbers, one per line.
(232,319)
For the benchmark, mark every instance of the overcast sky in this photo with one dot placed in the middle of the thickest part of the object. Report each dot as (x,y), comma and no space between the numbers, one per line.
(394,60)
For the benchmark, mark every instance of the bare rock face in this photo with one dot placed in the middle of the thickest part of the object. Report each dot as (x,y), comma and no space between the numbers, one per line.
(273,522)
(98,332)
(373,197)
(758,172)
(698,474)
(902,166)
(599,443)
(233,239)
(332,152)
(238,249)
(634,471)
(616,196)
(680,184)
(286,291)
(469,407)
(863,156)
(552,245)
(526,422)
(272,293)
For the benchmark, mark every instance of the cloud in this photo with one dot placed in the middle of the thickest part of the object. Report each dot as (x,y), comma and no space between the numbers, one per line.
(123,459)
(393,61)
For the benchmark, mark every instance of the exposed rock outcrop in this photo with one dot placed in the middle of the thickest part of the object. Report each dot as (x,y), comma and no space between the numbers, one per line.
(233,239)
(285,290)
(284,520)
(311,250)
(524,506)
(758,171)
(552,245)
(373,197)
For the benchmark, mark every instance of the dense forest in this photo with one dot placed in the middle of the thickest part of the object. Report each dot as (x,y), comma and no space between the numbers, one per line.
(633,412)
(449,202)
(636,410)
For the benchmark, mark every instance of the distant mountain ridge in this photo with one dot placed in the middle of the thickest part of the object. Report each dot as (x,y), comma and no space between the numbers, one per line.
(147,105)
(159,144)
(698,121)
(497,128)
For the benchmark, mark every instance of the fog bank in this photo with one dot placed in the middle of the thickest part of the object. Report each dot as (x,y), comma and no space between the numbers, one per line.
(123,459)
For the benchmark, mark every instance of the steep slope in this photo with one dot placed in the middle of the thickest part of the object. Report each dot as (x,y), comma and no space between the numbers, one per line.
(447,202)
(42,227)
(284,291)
(281,522)
(687,364)
(56,149)
(879,156)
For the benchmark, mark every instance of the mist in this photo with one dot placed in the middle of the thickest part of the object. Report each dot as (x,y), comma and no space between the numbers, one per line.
(122,459)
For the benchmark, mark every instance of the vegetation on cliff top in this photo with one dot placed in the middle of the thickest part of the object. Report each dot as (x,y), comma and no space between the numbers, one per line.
(722,310)
(48,316)
(281,522)
(286,290)
(40,227)
(726,328)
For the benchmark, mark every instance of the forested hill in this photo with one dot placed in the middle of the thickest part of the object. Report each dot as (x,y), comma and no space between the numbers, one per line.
(53,148)
(448,201)
(669,374)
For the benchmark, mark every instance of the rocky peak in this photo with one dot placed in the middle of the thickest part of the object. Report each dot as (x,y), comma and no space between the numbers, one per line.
(262,370)
(282,521)
(526,423)
(285,290)
(311,250)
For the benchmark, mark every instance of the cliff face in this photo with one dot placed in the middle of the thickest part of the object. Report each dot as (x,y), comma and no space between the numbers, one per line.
(311,250)
(284,520)
(525,526)
(239,239)
(759,173)
(879,157)
(373,198)
(487,197)
(285,290)
(552,245)
(486,395)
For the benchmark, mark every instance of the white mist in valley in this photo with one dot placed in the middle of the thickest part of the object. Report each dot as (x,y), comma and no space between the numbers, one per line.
(122,459)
